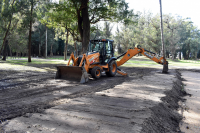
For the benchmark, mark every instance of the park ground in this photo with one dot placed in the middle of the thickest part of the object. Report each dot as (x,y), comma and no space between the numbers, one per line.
(31,100)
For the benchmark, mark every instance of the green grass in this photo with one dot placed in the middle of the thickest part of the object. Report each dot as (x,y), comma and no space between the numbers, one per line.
(57,58)
(53,57)
(8,57)
(140,61)
(185,61)
(35,61)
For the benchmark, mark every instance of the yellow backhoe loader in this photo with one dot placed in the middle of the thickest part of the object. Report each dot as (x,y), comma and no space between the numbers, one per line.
(100,58)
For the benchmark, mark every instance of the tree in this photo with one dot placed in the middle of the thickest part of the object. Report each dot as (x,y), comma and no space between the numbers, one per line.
(30,30)
(189,41)
(8,9)
(41,16)
(19,38)
(30,17)
(117,38)
(153,33)
(107,30)
(90,12)
(172,35)
(62,16)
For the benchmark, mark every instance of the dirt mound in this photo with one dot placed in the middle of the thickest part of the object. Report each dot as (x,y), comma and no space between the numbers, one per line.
(165,117)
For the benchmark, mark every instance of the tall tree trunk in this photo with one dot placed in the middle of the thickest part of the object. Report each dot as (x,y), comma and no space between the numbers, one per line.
(76,54)
(40,45)
(51,53)
(30,30)
(7,31)
(46,44)
(188,52)
(66,43)
(195,55)
(180,55)
(10,50)
(196,52)
(173,52)
(80,21)
(86,26)
(5,51)
(5,37)
(118,48)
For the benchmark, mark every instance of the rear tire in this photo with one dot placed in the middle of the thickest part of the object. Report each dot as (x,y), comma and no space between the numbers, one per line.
(112,69)
(96,72)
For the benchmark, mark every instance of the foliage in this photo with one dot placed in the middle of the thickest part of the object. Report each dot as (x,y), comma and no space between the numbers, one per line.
(70,25)
(180,35)
(9,18)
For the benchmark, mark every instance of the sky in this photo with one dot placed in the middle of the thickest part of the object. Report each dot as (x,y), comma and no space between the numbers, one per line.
(184,8)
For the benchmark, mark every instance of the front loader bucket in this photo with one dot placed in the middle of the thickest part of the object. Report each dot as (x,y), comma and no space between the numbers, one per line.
(72,73)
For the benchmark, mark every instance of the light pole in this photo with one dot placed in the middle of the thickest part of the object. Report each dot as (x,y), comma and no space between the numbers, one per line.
(165,64)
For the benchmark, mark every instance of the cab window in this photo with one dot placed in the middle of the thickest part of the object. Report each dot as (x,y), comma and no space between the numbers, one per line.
(96,46)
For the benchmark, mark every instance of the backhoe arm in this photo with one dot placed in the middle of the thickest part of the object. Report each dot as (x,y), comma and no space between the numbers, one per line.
(153,58)
(128,55)
(132,52)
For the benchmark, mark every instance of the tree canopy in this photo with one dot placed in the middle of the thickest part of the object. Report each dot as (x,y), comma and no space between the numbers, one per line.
(64,27)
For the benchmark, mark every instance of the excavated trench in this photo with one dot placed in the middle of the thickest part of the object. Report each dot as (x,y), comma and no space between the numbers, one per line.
(165,116)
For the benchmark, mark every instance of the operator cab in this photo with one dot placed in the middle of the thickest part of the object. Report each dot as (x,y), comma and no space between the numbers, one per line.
(104,47)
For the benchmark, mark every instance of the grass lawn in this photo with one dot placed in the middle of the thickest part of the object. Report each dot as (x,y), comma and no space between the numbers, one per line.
(140,61)
(35,61)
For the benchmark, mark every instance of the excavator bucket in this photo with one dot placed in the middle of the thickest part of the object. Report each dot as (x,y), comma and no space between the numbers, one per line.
(72,73)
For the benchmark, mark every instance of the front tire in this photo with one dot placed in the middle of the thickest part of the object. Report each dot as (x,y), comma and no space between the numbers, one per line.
(96,72)
(112,66)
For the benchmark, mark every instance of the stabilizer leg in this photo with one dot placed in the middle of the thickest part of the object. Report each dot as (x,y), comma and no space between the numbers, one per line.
(121,72)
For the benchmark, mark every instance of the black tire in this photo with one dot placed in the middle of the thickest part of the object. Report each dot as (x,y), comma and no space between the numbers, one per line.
(112,66)
(96,72)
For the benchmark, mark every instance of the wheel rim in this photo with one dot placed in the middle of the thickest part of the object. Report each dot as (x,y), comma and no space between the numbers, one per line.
(98,72)
(114,67)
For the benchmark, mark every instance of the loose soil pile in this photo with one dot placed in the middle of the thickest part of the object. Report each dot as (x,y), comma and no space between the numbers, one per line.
(165,117)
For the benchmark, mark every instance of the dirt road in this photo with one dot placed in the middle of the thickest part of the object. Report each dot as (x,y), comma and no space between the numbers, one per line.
(33,101)
(191,107)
